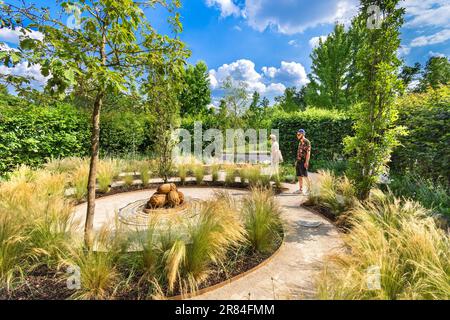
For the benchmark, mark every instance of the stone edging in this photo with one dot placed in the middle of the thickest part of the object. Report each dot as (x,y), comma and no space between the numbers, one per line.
(231,280)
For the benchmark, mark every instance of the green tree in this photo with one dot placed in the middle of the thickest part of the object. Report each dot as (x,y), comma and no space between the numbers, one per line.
(236,99)
(292,100)
(436,73)
(376,133)
(196,96)
(410,74)
(104,53)
(331,61)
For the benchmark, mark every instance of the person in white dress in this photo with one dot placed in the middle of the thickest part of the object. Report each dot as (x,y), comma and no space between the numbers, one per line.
(276,156)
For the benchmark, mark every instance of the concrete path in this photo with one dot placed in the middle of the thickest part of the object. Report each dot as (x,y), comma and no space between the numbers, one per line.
(291,273)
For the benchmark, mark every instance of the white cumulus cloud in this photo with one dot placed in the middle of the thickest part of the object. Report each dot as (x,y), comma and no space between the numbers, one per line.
(291,17)
(270,82)
(439,37)
(32,72)
(314,41)
(14,35)
(226,7)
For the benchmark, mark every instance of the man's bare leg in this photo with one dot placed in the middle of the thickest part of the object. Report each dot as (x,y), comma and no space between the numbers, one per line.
(300,183)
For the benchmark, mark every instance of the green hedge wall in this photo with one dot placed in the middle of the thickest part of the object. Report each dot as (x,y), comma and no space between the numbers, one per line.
(31,135)
(325,129)
(426,149)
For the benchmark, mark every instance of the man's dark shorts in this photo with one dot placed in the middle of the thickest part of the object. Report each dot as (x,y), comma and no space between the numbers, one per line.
(300,169)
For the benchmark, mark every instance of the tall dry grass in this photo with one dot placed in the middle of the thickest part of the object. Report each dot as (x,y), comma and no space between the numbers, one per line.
(108,170)
(35,224)
(262,216)
(399,238)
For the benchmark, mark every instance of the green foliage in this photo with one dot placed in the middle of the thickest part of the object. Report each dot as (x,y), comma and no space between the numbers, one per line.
(325,129)
(292,100)
(375,115)
(124,133)
(32,135)
(436,73)
(426,149)
(329,84)
(432,195)
(196,95)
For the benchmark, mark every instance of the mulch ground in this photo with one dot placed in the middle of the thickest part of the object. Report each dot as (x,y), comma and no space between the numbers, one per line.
(45,284)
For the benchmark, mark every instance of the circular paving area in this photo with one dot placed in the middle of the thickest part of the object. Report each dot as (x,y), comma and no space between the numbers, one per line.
(290,274)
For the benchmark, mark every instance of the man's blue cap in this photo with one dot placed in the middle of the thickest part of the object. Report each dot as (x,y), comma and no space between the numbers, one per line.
(302,131)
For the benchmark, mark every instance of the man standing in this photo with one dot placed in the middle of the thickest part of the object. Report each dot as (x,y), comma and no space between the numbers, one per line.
(302,163)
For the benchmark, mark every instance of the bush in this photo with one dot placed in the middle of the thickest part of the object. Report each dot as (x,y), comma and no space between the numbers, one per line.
(426,149)
(432,195)
(324,128)
(123,133)
(32,135)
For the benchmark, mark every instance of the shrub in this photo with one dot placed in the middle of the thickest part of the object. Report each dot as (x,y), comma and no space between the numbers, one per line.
(324,128)
(426,148)
(32,135)
(262,220)
(399,238)
(432,195)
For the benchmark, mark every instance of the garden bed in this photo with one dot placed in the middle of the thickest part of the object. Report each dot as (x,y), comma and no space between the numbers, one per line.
(46,284)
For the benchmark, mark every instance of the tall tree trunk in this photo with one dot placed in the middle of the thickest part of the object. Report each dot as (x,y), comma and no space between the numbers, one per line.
(95,146)
(92,182)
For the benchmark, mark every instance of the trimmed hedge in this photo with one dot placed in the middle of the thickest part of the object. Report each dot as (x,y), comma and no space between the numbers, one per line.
(426,149)
(31,135)
(324,128)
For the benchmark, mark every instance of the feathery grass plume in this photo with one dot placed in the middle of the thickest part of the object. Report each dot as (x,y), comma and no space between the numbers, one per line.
(199,173)
(128,180)
(402,241)
(215,168)
(262,219)
(337,194)
(230,174)
(79,181)
(98,269)
(34,223)
(217,229)
(182,169)
(65,165)
(145,172)
(108,169)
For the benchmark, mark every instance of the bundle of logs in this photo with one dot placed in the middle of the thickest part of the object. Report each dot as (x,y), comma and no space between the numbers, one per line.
(167,196)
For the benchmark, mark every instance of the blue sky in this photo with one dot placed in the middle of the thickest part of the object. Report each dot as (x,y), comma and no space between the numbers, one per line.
(267,43)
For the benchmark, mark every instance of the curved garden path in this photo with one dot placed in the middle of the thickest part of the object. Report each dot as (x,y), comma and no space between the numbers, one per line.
(290,274)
